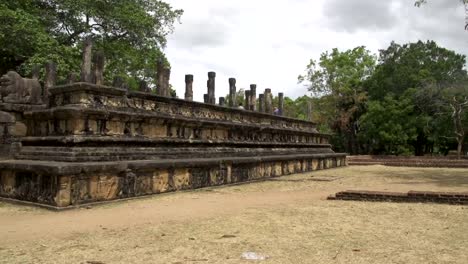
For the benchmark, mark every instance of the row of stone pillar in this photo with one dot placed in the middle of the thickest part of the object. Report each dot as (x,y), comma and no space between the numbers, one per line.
(92,71)
(265,103)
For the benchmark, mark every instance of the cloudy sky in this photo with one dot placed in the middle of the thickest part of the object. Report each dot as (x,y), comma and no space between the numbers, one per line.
(270,42)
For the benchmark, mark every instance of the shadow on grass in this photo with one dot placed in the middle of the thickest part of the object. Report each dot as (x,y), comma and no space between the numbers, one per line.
(446,178)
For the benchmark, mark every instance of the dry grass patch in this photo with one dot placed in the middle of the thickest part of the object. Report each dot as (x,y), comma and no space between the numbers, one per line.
(287,219)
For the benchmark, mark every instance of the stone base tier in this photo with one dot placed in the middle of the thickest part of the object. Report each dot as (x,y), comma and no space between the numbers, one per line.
(67,184)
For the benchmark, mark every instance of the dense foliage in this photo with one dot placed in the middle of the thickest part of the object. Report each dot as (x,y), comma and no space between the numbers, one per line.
(130,32)
(412,100)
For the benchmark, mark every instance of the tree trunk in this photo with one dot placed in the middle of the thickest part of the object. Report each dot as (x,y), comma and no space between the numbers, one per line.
(460,141)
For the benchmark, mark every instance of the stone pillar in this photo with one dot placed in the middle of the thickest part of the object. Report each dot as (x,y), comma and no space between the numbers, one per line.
(117,82)
(253,97)
(261,103)
(72,78)
(189,87)
(50,75)
(35,72)
(143,87)
(86,62)
(49,79)
(232,92)
(159,78)
(205,98)
(268,101)
(211,87)
(247,100)
(166,78)
(281,103)
(222,101)
(163,74)
(309,110)
(99,61)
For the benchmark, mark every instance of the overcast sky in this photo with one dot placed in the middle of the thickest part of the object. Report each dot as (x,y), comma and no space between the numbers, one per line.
(270,42)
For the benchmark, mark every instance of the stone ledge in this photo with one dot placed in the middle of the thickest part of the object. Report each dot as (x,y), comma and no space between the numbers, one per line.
(11,107)
(101,89)
(73,112)
(55,168)
(70,140)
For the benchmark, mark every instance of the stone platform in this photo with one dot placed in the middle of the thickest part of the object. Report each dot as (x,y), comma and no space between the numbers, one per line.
(97,143)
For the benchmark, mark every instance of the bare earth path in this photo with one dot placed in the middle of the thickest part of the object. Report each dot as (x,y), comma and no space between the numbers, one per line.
(288,219)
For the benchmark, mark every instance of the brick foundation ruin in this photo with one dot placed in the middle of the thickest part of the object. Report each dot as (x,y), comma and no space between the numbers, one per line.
(409,197)
(87,142)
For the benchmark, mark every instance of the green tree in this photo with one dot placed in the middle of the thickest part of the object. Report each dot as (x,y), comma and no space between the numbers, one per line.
(449,102)
(338,77)
(386,128)
(240,97)
(412,66)
(130,32)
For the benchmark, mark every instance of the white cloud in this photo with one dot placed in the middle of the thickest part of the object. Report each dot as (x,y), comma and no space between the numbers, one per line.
(269,43)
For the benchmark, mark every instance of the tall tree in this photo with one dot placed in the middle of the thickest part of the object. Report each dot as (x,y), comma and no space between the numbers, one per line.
(449,102)
(339,77)
(413,65)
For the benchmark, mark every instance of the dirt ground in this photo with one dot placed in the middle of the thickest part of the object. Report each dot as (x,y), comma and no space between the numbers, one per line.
(288,219)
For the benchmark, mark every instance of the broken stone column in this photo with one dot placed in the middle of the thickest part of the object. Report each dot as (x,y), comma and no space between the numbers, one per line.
(211,87)
(35,72)
(222,101)
(232,92)
(253,97)
(189,87)
(247,100)
(159,78)
(117,82)
(72,78)
(166,78)
(86,62)
(309,110)
(49,79)
(268,101)
(163,74)
(143,87)
(280,103)
(205,98)
(99,61)
(261,103)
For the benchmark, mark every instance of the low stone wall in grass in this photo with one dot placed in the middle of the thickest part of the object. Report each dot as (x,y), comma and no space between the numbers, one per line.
(399,161)
(409,197)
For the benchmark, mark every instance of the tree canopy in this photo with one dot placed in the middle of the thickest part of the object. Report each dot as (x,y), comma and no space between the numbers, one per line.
(412,99)
(130,32)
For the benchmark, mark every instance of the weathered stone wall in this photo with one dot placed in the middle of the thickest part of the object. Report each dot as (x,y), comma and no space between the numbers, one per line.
(96,143)
(138,179)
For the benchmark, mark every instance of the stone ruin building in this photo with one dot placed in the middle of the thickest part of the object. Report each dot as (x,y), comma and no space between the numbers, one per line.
(83,142)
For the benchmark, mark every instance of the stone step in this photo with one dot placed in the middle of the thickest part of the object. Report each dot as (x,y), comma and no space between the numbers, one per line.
(104,154)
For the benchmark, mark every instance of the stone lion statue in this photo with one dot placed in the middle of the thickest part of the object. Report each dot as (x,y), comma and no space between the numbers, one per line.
(16,89)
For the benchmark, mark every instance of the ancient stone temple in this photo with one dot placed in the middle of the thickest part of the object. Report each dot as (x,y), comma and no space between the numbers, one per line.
(84,142)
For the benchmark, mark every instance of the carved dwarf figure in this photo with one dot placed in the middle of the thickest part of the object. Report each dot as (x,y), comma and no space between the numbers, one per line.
(16,89)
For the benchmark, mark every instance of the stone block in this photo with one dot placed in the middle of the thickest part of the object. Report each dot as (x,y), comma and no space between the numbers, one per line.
(8,182)
(6,118)
(162,181)
(144,184)
(181,179)
(315,164)
(18,129)
(63,196)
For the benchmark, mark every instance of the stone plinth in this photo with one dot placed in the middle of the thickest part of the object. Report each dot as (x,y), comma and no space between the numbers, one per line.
(96,143)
